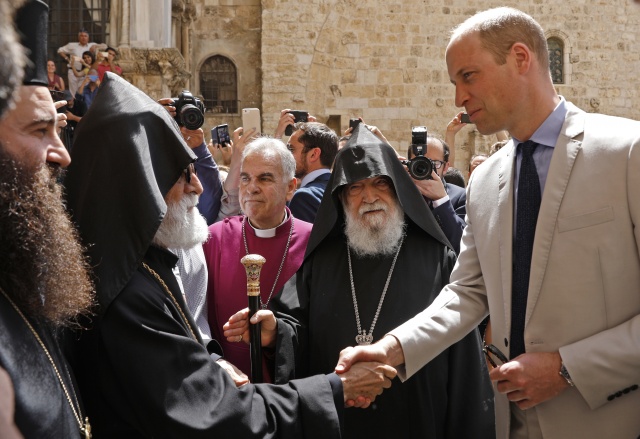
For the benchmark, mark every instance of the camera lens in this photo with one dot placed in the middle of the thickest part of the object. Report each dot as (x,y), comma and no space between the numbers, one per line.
(191,117)
(420,168)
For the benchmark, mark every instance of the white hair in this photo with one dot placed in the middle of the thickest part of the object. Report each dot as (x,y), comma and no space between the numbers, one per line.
(269,147)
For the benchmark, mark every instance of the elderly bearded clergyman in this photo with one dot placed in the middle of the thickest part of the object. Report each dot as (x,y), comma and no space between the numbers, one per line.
(375,257)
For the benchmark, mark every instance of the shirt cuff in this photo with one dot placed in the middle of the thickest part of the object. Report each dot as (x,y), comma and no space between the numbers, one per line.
(440,202)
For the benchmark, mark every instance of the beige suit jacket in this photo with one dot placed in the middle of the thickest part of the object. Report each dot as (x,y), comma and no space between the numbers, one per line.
(584,290)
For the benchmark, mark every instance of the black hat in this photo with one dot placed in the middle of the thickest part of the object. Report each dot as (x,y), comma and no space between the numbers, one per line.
(32,24)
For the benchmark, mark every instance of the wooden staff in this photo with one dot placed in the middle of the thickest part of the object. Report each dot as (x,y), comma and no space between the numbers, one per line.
(253,264)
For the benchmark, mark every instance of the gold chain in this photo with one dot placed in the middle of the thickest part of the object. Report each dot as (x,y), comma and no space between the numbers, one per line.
(175,302)
(85,428)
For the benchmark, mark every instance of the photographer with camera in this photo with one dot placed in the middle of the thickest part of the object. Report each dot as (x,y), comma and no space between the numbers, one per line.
(88,88)
(288,118)
(428,162)
(108,63)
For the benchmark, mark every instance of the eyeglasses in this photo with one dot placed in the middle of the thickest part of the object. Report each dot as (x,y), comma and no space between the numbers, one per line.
(491,351)
(438,164)
(191,169)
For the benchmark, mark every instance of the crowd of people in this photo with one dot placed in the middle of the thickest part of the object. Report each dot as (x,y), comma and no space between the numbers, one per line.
(123,305)
(87,63)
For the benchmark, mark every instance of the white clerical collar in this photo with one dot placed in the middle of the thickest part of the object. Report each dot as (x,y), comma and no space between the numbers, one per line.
(269,233)
(313,175)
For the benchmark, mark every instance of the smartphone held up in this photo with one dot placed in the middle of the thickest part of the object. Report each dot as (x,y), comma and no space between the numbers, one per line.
(353,123)
(298,116)
(220,135)
(250,120)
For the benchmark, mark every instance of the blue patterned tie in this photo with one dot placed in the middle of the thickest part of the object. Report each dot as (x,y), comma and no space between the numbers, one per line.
(528,206)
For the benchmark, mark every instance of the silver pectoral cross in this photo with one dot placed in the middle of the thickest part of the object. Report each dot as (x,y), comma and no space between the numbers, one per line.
(364,339)
(86,429)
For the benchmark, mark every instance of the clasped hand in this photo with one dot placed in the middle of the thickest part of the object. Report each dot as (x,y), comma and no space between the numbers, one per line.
(364,381)
(530,379)
(237,327)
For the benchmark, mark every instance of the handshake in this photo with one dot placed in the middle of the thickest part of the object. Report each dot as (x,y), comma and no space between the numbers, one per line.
(365,371)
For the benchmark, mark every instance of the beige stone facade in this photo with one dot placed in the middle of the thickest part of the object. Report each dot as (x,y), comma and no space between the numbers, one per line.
(380,59)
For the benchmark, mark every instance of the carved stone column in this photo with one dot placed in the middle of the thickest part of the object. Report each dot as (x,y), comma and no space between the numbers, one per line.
(183,12)
(158,72)
(126,11)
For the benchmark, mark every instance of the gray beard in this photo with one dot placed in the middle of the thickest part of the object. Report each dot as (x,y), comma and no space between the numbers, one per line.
(376,234)
(182,227)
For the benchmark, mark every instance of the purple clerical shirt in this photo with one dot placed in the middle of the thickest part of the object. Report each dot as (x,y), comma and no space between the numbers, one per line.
(227,286)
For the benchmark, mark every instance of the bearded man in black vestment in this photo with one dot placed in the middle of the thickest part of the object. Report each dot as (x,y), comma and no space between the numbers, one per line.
(376,256)
(43,275)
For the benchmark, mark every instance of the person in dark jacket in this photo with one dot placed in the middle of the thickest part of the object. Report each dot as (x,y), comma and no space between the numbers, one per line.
(314,146)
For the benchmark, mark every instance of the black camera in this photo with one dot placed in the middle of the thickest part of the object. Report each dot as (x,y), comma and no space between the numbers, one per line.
(189,110)
(298,116)
(420,167)
(60,96)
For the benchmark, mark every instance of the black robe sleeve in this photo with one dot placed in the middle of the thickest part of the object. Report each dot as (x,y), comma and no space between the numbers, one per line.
(291,307)
(155,380)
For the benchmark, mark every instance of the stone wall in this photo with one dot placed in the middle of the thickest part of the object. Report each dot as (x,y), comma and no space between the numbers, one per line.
(231,28)
(384,60)
(381,59)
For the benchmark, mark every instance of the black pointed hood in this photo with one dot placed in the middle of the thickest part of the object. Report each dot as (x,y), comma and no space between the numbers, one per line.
(128,153)
(366,156)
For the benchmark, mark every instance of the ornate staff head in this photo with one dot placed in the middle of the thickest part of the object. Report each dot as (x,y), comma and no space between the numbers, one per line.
(253,264)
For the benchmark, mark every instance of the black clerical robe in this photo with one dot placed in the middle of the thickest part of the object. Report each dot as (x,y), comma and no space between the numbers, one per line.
(451,397)
(41,407)
(144,375)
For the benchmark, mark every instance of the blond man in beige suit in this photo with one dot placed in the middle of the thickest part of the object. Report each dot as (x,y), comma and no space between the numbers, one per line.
(577,372)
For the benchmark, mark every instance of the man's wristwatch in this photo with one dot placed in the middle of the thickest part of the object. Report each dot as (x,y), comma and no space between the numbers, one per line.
(564,373)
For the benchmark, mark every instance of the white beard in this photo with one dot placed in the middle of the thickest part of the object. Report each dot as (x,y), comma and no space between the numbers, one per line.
(374,234)
(182,227)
